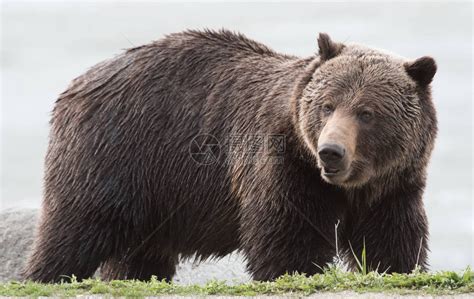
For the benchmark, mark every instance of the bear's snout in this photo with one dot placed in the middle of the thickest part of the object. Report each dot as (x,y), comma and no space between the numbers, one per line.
(331,154)
(332,159)
(336,148)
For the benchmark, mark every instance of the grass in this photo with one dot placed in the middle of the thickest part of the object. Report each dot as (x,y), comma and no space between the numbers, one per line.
(332,280)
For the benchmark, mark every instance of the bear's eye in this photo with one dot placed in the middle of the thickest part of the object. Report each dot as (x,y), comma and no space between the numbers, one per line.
(366,116)
(327,109)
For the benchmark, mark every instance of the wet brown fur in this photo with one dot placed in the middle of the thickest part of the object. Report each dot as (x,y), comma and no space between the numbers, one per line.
(122,192)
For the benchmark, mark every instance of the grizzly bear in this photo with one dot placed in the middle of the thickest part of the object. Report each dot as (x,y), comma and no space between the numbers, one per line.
(206,142)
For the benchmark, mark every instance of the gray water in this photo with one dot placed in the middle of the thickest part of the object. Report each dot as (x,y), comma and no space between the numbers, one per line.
(45,45)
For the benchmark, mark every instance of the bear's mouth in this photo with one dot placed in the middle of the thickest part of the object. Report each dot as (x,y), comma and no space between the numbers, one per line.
(331,172)
(334,175)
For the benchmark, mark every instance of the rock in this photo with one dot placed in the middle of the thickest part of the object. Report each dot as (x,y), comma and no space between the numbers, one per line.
(16,237)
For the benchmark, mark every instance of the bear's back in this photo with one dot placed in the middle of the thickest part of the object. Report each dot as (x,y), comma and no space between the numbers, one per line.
(197,76)
(179,55)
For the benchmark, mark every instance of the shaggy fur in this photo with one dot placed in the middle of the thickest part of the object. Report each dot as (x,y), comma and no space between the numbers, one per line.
(122,191)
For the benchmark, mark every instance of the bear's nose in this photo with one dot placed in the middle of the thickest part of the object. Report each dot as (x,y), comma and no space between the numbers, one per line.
(331,153)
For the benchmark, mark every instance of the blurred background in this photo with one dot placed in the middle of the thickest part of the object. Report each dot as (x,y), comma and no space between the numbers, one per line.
(47,44)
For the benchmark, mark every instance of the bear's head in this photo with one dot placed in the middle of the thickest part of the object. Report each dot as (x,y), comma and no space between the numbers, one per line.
(364,113)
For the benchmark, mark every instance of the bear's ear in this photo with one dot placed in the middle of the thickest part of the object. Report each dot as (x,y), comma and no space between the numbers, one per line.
(327,48)
(422,70)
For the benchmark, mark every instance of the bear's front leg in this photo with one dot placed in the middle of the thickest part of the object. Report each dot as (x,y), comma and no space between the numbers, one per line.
(394,231)
(287,227)
(279,240)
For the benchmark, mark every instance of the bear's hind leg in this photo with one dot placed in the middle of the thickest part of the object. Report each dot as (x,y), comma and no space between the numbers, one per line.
(139,267)
(64,247)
